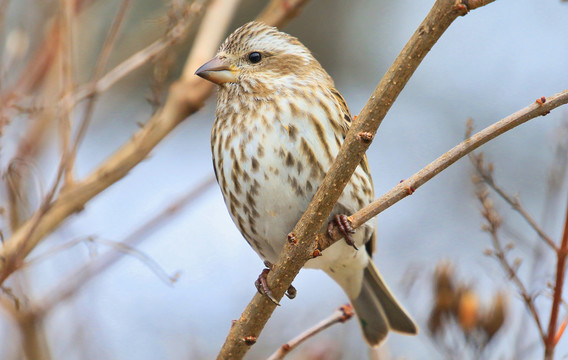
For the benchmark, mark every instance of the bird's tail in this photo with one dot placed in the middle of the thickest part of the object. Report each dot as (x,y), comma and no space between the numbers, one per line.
(377,309)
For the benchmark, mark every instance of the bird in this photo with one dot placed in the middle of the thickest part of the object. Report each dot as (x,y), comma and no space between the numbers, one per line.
(279,124)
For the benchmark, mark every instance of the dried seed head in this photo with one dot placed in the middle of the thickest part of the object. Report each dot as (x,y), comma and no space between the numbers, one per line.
(467,310)
(493,320)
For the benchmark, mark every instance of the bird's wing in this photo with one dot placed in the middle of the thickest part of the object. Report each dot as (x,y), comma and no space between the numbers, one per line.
(345,125)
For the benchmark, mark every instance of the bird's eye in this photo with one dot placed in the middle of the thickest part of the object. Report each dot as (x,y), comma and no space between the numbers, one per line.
(255,57)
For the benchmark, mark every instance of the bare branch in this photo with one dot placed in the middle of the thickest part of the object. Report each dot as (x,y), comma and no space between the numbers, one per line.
(410,185)
(295,254)
(181,103)
(561,255)
(102,61)
(487,175)
(492,227)
(340,315)
(78,279)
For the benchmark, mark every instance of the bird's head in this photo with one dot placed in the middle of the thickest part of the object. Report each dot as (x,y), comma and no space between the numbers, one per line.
(257,58)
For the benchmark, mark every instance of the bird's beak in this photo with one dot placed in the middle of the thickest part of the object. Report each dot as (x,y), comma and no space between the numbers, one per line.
(217,71)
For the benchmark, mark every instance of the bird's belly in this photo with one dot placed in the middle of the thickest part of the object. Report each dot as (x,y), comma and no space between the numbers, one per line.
(274,196)
(269,172)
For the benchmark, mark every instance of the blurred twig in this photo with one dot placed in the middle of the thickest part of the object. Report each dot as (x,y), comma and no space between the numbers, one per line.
(486,174)
(172,36)
(51,213)
(37,68)
(102,61)
(67,12)
(340,315)
(553,335)
(492,226)
(79,278)
(280,12)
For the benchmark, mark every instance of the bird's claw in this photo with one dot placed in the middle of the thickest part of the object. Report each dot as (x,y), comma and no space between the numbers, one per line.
(262,285)
(344,226)
(291,292)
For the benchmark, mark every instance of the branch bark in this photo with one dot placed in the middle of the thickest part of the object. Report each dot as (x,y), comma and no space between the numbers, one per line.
(247,328)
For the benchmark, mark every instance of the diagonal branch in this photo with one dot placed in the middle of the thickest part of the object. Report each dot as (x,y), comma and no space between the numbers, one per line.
(296,253)
(462,149)
(340,315)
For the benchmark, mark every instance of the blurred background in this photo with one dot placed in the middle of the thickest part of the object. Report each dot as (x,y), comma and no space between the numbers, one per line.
(489,64)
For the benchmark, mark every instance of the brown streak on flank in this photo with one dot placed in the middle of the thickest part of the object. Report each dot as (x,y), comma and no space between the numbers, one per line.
(254,188)
(254,164)
(260,151)
(237,168)
(282,153)
(337,141)
(252,224)
(295,110)
(265,122)
(292,132)
(295,186)
(300,167)
(309,187)
(289,159)
(250,200)
(246,177)
(228,143)
(321,135)
(236,182)
(317,169)
(234,201)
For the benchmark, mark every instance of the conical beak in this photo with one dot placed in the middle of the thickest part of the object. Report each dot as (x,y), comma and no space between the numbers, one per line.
(217,71)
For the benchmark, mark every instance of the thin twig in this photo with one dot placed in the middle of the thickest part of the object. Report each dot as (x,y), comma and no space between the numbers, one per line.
(487,175)
(79,278)
(66,75)
(562,253)
(295,253)
(71,199)
(493,224)
(102,61)
(341,315)
(408,186)
(139,58)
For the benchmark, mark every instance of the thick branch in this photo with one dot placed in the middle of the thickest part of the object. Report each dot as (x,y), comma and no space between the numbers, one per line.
(295,254)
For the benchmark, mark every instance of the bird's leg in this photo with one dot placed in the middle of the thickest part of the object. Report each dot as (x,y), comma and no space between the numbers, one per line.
(262,285)
(344,226)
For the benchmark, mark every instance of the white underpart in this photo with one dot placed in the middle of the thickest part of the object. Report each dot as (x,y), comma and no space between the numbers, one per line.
(278,204)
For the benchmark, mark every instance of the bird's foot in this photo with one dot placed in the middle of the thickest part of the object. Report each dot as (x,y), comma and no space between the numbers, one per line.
(344,226)
(262,285)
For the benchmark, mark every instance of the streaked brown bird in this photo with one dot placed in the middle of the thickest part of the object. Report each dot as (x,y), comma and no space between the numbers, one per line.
(279,125)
